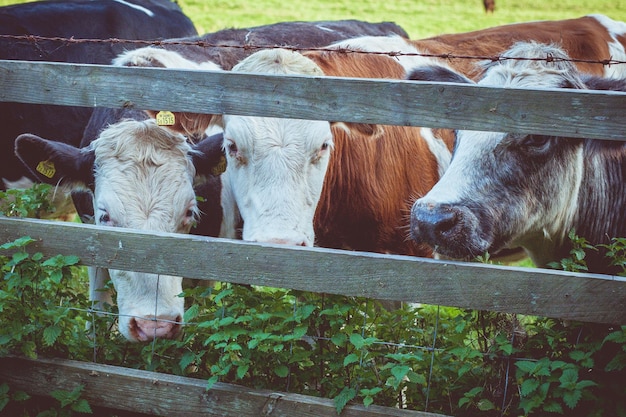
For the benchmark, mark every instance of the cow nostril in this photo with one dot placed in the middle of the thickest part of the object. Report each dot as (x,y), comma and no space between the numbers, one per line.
(446,221)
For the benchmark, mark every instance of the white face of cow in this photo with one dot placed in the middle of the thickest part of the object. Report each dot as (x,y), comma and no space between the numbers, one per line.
(144,180)
(276,167)
(506,190)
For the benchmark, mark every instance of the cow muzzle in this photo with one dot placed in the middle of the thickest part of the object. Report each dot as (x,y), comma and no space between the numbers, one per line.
(451,230)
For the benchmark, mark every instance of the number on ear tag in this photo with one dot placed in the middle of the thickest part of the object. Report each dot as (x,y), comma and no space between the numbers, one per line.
(165,118)
(46,168)
(220,167)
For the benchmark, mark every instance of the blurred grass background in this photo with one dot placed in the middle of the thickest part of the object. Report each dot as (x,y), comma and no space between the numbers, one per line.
(420,18)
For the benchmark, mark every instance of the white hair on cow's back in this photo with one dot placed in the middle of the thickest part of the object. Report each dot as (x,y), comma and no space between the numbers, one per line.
(617,52)
(532,64)
(158,57)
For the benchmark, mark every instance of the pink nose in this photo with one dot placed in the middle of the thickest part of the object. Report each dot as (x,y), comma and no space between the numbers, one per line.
(149,328)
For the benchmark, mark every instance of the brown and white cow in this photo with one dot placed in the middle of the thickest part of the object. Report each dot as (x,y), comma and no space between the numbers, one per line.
(508,189)
(141,176)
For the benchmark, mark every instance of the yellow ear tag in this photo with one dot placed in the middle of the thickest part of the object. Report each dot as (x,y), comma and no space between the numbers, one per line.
(46,168)
(165,118)
(220,167)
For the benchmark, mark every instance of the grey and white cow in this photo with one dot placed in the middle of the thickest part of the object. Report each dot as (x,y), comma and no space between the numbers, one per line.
(509,189)
(142,177)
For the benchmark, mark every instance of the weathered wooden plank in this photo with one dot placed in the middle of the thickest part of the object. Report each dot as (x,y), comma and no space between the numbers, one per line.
(168,395)
(593,298)
(570,113)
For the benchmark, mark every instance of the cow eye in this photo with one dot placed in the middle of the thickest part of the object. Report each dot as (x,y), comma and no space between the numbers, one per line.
(190,214)
(104,218)
(231,148)
(320,152)
(536,143)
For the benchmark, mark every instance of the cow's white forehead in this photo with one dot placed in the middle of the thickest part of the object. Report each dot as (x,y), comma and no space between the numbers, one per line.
(260,134)
(144,175)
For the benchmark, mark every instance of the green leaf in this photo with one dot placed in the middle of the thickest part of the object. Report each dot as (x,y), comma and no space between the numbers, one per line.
(242,370)
(528,386)
(339,339)
(281,370)
(211,381)
(18,243)
(416,378)
(525,366)
(222,294)
(357,340)
(571,398)
(568,378)
(187,359)
(51,334)
(82,406)
(553,407)
(351,358)
(485,405)
(345,396)
(400,371)
(17,258)
(191,313)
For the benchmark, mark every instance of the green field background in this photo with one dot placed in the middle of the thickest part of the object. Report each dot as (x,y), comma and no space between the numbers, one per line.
(420,18)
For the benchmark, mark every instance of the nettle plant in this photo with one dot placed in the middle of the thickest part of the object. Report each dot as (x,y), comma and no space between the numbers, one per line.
(437,359)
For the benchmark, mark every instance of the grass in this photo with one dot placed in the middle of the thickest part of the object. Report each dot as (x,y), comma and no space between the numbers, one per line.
(420,18)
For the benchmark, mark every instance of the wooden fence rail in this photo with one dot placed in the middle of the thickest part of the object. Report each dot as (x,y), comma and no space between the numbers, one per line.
(585,297)
(574,113)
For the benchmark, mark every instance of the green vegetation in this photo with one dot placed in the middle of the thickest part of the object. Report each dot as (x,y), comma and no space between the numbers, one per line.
(445,360)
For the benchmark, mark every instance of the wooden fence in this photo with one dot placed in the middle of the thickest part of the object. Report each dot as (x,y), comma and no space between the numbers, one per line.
(585,297)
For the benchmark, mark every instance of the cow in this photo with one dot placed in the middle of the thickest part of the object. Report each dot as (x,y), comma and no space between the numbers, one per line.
(142,177)
(490,6)
(530,190)
(102,19)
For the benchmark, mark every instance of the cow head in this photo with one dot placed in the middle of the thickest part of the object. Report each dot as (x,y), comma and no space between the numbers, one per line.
(276,167)
(142,177)
(505,189)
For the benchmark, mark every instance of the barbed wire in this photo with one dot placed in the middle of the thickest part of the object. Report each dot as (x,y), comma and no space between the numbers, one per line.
(248,46)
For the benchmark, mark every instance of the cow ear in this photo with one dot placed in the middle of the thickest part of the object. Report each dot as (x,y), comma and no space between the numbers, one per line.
(437,73)
(184,122)
(55,162)
(364,130)
(208,156)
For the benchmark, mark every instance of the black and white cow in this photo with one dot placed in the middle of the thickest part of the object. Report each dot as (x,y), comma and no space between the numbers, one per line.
(102,19)
(509,189)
